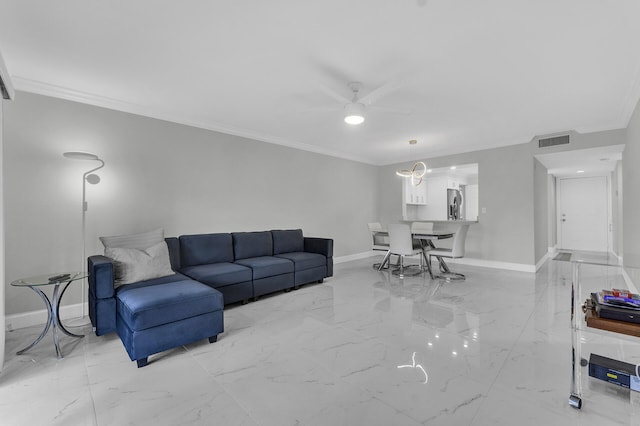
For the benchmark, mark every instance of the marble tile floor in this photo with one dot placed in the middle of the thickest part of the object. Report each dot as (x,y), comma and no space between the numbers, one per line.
(364,348)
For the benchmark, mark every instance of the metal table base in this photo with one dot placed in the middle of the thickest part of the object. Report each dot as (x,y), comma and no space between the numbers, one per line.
(53,319)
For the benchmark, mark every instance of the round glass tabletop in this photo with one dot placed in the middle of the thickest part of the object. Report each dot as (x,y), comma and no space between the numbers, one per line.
(55,278)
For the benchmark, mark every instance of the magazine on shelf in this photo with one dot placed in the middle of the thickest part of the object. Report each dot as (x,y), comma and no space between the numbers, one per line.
(615,312)
(619,299)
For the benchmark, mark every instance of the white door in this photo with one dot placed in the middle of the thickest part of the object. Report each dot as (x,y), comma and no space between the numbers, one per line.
(582,213)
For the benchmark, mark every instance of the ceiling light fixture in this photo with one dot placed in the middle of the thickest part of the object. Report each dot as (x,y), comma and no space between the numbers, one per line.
(354,113)
(416,172)
(354,110)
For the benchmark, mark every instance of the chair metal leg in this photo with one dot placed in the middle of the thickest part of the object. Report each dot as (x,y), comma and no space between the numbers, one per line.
(387,258)
(427,260)
(447,274)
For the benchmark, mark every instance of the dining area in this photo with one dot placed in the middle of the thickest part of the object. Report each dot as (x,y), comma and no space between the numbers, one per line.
(419,239)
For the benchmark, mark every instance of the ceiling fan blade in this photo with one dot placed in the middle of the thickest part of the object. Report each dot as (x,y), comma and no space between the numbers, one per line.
(391,110)
(379,92)
(333,94)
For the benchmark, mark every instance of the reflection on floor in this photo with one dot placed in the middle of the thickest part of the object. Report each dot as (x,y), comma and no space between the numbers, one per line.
(364,348)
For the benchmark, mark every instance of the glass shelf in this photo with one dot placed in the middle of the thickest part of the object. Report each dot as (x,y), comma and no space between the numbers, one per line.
(593,272)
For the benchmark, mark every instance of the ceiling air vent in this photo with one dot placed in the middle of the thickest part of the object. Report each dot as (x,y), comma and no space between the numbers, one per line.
(558,140)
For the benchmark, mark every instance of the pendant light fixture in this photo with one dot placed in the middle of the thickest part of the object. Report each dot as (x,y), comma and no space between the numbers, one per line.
(416,172)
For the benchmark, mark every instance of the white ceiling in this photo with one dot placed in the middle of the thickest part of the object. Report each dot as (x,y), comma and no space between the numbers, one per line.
(473,74)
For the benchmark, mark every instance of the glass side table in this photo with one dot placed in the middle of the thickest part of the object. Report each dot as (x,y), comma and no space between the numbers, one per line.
(53,306)
(603,272)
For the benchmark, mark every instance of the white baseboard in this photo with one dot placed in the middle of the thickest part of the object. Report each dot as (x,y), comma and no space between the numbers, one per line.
(29,319)
(521,267)
(357,256)
(548,255)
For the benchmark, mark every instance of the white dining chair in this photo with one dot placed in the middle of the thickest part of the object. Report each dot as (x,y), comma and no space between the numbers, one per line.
(455,252)
(421,227)
(401,244)
(379,242)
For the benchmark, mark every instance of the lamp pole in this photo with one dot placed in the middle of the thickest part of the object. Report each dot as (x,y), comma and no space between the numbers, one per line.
(93,179)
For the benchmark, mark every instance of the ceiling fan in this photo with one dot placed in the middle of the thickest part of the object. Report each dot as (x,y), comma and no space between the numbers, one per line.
(354,110)
(356,107)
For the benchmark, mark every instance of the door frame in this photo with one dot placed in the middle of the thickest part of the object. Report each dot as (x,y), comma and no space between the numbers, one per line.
(609,201)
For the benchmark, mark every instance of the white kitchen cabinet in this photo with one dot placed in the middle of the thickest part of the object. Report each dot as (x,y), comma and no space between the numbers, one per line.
(416,195)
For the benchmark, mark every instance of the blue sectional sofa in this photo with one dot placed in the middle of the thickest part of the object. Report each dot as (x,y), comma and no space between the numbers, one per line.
(211,270)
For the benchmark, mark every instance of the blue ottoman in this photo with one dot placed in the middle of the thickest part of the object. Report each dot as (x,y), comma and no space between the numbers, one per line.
(155,318)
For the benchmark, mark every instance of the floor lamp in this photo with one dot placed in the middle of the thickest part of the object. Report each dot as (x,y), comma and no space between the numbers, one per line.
(93,179)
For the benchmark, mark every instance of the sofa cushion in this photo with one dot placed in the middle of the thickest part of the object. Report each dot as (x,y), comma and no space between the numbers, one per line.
(202,249)
(252,244)
(162,280)
(139,241)
(153,305)
(267,266)
(132,265)
(219,274)
(287,241)
(303,260)
(173,244)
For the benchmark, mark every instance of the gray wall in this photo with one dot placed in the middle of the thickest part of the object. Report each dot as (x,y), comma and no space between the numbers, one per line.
(505,233)
(160,174)
(540,209)
(631,192)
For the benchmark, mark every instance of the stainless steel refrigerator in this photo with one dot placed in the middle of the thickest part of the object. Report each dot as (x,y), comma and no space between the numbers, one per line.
(454,204)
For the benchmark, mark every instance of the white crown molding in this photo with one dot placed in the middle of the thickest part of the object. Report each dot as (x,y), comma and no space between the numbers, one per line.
(46,89)
(594,129)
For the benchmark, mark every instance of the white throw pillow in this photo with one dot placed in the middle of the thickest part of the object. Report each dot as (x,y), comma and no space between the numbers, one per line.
(140,241)
(132,265)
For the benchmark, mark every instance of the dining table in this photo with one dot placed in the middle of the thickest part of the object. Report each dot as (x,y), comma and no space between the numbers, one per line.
(426,240)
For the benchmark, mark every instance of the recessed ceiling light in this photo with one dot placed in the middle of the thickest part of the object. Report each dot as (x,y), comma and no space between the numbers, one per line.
(580,171)
(429,170)
(452,167)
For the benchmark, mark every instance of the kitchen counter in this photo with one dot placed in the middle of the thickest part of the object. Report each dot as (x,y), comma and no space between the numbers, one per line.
(445,222)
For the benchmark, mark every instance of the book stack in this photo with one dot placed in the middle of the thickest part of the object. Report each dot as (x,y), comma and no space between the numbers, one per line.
(616,304)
